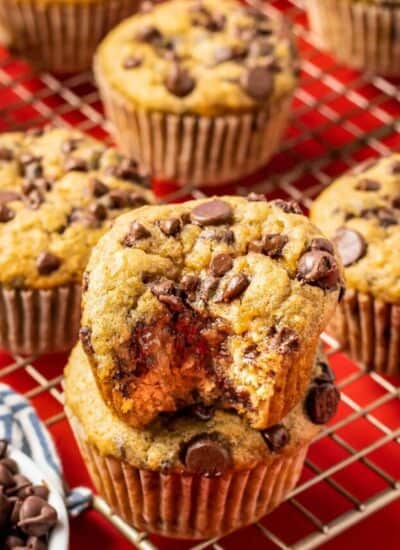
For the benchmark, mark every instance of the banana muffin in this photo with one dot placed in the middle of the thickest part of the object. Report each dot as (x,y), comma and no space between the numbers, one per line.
(360,33)
(198,91)
(200,472)
(61,35)
(219,301)
(59,192)
(361,213)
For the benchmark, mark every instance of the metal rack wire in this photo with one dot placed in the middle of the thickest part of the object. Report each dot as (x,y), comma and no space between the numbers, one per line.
(329,97)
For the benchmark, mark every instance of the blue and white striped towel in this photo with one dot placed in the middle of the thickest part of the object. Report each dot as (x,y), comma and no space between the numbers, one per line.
(20,425)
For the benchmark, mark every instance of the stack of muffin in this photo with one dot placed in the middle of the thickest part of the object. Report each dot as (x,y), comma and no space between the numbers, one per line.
(198,383)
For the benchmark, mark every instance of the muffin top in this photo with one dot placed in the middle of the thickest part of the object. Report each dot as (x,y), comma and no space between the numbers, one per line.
(216,301)
(59,191)
(361,212)
(198,439)
(205,57)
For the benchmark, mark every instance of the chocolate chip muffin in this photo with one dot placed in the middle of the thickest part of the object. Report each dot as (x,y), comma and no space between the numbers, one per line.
(219,301)
(59,192)
(198,91)
(360,33)
(361,212)
(61,35)
(200,472)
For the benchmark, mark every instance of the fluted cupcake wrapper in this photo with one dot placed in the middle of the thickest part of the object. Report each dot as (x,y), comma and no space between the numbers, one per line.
(39,321)
(369,329)
(62,36)
(361,34)
(190,506)
(197,150)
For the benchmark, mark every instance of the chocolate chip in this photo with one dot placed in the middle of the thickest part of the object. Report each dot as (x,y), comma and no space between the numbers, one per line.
(132,62)
(368,185)
(322,402)
(285,340)
(170,227)
(179,82)
(395,202)
(318,268)
(220,264)
(276,437)
(214,212)
(6,477)
(36,516)
(10,464)
(72,164)
(222,54)
(351,245)
(47,262)
(169,294)
(325,374)
(385,216)
(149,33)
(322,244)
(261,48)
(98,188)
(236,286)
(85,335)
(70,145)
(206,455)
(203,412)
(6,214)
(395,168)
(189,283)
(84,217)
(34,199)
(6,154)
(257,82)
(98,210)
(215,23)
(137,232)
(208,287)
(273,244)
(119,198)
(127,169)
(290,207)
(256,197)
(32,169)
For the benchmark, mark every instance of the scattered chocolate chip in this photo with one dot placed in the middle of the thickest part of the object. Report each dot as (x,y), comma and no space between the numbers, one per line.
(72,164)
(290,207)
(148,33)
(36,516)
(256,197)
(137,232)
(395,168)
(6,214)
(169,294)
(98,188)
(84,217)
(179,82)
(222,54)
(351,245)
(215,23)
(276,437)
(318,268)
(170,227)
(34,199)
(208,287)
(261,48)
(385,216)
(395,202)
(322,402)
(285,340)
(257,82)
(203,412)
(98,210)
(85,335)
(220,264)
(32,169)
(190,283)
(6,154)
(127,169)
(325,374)
(132,62)
(368,185)
(206,455)
(322,244)
(119,198)
(235,287)
(214,212)
(273,244)
(70,145)
(47,262)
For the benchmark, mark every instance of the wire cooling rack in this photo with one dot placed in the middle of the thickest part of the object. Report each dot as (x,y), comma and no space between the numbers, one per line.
(340,117)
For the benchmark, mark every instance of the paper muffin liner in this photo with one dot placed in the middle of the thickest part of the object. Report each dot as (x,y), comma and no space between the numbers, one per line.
(361,34)
(39,321)
(197,150)
(190,506)
(61,36)
(369,329)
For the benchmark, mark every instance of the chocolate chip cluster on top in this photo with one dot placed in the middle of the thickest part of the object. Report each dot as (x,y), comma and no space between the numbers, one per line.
(196,439)
(361,212)
(59,192)
(26,518)
(205,57)
(219,302)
